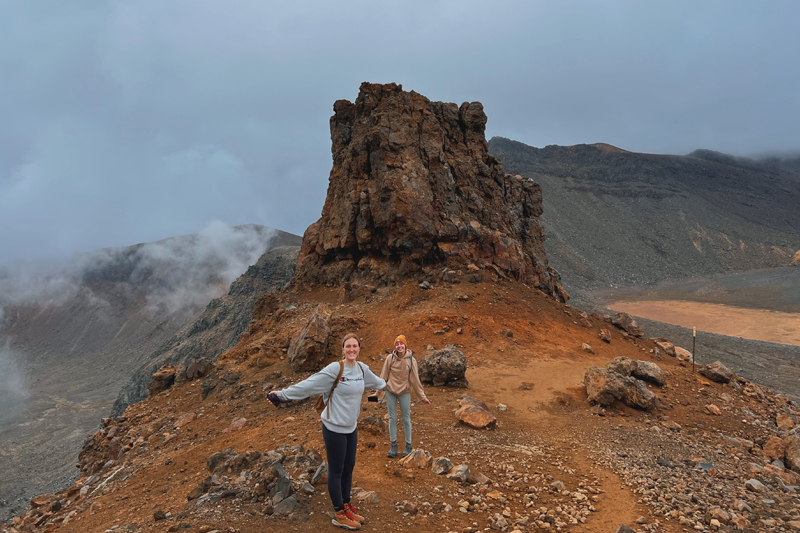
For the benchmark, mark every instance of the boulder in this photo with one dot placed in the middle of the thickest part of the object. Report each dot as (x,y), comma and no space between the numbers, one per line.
(309,344)
(163,379)
(792,452)
(475,413)
(718,372)
(774,448)
(638,395)
(625,322)
(602,386)
(413,188)
(447,366)
(648,371)
(621,365)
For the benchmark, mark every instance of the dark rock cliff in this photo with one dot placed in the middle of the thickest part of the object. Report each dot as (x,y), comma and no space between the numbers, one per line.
(413,187)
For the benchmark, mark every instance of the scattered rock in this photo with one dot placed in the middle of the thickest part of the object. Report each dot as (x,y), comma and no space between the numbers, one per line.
(475,413)
(718,372)
(417,459)
(441,465)
(626,322)
(459,473)
(605,335)
(587,348)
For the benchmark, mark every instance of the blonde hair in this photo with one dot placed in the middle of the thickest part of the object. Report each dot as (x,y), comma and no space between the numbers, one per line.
(351,336)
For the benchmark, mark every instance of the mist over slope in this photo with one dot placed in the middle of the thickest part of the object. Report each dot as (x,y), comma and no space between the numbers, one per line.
(618,217)
(73,333)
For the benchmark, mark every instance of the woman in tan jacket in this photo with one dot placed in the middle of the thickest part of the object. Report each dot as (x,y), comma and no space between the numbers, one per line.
(401,375)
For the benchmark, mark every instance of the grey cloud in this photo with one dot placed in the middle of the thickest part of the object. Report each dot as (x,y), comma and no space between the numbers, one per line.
(129,122)
(175,275)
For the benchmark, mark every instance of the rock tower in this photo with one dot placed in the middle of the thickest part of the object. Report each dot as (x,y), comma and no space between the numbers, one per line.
(414,190)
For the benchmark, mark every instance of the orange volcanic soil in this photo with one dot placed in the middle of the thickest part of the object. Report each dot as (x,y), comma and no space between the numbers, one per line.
(757,324)
(523,350)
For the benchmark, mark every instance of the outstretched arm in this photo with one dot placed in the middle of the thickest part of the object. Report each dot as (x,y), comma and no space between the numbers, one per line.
(319,383)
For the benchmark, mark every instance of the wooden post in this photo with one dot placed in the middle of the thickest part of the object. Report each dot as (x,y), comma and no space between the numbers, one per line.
(694,339)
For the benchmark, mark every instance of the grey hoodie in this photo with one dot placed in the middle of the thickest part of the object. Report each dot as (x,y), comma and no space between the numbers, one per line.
(345,405)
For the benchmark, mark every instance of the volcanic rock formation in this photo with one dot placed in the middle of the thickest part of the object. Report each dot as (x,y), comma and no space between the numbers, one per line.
(413,187)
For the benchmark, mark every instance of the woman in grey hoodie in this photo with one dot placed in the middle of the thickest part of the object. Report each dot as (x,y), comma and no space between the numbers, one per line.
(339,421)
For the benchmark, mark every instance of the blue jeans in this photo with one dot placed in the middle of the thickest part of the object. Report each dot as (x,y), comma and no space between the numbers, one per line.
(405,412)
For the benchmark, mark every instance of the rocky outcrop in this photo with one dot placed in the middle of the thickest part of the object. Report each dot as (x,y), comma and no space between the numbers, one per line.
(162,380)
(447,366)
(413,187)
(309,344)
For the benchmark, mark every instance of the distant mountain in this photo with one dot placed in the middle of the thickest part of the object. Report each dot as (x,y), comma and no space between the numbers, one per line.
(619,217)
(72,334)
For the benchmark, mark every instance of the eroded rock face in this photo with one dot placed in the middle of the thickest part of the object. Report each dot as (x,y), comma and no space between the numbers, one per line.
(413,187)
(309,344)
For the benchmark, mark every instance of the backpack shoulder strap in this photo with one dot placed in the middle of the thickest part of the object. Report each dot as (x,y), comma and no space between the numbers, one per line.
(338,378)
(362,369)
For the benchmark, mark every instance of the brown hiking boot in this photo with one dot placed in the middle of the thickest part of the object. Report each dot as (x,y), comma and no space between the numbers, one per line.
(353,513)
(342,519)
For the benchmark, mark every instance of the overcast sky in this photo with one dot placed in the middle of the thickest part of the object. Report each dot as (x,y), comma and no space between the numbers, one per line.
(130,121)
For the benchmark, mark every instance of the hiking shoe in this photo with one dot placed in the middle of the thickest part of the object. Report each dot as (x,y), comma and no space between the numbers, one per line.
(352,513)
(341,519)
(392,450)
(408,449)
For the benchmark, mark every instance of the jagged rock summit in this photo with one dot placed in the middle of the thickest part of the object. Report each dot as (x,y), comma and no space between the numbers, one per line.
(413,189)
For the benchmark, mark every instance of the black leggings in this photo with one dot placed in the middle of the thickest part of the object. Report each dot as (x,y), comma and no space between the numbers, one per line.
(341,450)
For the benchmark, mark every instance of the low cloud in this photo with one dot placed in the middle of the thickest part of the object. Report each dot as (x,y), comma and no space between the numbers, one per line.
(175,274)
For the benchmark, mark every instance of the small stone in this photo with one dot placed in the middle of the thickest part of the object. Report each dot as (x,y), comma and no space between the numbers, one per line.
(587,348)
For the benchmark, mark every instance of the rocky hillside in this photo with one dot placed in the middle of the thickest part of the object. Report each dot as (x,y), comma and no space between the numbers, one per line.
(211,454)
(77,333)
(618,217)
(571,422)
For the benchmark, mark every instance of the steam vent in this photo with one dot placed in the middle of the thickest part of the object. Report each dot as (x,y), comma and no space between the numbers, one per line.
(413,190)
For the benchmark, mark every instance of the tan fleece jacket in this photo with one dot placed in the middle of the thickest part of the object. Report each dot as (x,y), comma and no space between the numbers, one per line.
(400,378)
